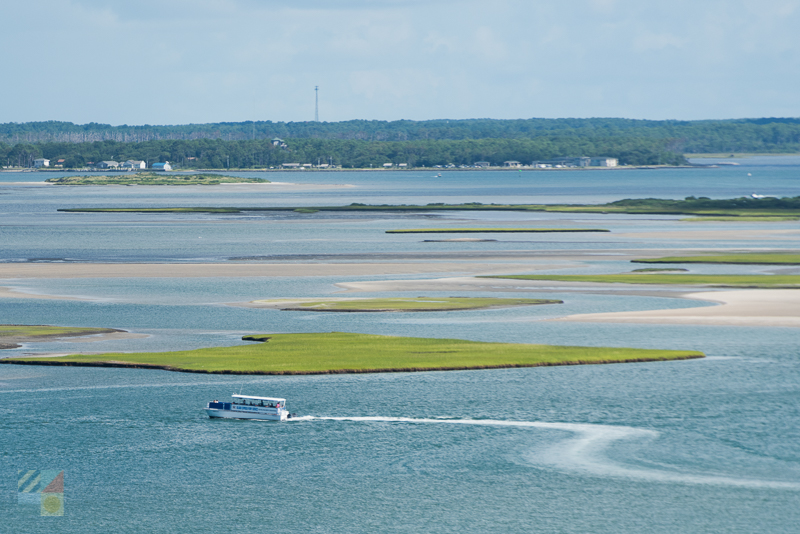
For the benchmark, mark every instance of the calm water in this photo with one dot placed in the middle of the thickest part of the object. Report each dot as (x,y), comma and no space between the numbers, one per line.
(698,446)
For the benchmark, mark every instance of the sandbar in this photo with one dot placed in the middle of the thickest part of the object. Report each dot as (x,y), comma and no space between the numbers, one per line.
(105,337)
(9,342)
(749,307)
(10,293)
(290,303)
(470,283)
(200,270)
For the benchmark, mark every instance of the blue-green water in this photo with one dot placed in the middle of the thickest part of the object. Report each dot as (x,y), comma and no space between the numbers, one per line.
(708,445)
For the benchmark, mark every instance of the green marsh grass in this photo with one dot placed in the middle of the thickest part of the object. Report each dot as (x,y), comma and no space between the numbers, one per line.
(748,258)
(338,352)
(737,207)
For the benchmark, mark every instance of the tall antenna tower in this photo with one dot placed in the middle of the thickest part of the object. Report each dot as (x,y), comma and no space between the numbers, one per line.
(316,103)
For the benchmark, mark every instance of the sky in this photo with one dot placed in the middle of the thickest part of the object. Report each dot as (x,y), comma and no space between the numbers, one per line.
(196,61)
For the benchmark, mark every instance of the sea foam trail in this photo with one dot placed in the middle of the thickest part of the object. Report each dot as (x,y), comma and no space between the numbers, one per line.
(584,452)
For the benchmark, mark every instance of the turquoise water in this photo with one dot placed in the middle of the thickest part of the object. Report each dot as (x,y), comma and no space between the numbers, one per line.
(706,445)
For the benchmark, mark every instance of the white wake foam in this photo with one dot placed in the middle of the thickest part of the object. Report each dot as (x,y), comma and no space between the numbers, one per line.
(584,451)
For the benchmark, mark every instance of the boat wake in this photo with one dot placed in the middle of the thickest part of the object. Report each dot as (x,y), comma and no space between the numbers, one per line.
(584,451)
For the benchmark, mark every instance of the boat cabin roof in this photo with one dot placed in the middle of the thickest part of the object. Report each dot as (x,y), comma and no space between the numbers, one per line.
(273,399)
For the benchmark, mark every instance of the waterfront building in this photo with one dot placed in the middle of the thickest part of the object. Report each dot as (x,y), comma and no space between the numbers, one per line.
(134,164)
(604,162)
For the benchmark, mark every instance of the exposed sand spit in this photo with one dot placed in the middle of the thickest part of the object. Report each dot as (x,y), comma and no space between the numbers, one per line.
(750,307)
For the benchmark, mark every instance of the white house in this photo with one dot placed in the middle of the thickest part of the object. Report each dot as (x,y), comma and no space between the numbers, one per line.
(134,164)
(512,164)
(41,162)
(162,166)
(387,165)
(107,165)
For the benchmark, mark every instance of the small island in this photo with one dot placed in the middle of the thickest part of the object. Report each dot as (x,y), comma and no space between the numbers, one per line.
(153,178)
(418,304)
(765,209)
(339,352)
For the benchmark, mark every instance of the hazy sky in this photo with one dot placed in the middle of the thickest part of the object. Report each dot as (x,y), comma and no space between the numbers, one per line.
(182,61)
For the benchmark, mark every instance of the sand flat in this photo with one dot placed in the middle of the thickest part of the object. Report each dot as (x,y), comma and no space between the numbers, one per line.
(748,307)
(9,293)
(471,283)
(280,304)
(199,270)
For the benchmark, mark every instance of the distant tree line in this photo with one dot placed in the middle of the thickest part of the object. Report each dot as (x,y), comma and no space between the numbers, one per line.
(261,153)
(739,135)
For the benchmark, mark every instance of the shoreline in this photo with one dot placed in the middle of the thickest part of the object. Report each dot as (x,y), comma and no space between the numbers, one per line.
(11,361)
(389,169)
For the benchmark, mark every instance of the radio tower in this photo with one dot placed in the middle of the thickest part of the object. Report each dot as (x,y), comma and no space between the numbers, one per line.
(316,103)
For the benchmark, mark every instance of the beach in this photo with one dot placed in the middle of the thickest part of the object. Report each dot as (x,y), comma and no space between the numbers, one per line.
(751,307)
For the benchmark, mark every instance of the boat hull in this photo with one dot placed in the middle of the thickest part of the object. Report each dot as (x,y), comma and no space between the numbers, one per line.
(281,415)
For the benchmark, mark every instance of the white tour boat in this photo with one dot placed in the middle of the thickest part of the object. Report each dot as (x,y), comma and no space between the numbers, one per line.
(249,407)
